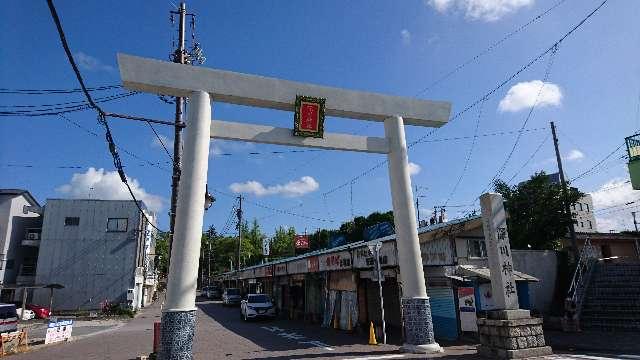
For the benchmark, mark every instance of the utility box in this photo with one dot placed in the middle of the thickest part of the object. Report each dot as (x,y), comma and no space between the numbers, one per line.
(633,150)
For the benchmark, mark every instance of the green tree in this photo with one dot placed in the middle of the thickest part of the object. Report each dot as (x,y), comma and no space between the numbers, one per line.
(162,253)
(282,242)
(535,210)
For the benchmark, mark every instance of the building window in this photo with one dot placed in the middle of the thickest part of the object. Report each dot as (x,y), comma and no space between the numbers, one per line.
(573,206)
(117,224)
(580,204)
(587,205)
(581,224)
(476,248)
(71,221)
(590,224)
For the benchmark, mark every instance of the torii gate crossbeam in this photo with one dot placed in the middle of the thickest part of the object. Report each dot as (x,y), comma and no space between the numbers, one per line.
(202,86)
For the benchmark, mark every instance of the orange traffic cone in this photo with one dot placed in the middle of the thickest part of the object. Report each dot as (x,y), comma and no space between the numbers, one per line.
(372,335)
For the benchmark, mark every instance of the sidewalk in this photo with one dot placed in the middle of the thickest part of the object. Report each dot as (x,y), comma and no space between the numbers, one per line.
(123,341)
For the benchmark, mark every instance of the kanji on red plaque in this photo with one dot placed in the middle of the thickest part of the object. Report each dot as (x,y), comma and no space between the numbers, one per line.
(309,116)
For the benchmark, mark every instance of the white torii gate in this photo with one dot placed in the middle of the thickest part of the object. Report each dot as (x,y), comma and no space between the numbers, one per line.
(202,86)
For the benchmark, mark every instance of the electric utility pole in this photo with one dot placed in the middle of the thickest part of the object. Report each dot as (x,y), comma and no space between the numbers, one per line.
(239,215)
(565,194)
(179,57)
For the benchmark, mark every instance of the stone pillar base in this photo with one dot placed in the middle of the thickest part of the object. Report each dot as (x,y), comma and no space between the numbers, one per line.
(418,327)
(511,334)
(177,330)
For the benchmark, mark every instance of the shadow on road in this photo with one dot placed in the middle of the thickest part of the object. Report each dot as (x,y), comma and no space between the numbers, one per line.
(278,335)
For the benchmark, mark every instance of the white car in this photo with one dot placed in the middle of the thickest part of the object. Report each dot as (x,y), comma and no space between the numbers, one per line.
(28,314)
(257,306)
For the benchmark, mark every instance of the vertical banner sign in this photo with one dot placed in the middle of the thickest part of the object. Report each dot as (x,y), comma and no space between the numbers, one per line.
(467,307)
(494,222)
(301,241)
(309,117)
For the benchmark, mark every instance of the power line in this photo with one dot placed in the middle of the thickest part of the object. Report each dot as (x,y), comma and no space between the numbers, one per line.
(484,97)
(591,169)
(528,117)
(489,49)
(469,154)
(56,91)
(535,152)
(64,109)
(101,114)
(130,153)
(280,211)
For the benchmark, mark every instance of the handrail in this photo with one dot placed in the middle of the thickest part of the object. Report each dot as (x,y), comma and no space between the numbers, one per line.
(586,260)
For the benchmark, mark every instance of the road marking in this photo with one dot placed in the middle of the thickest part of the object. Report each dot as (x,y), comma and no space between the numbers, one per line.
(397,356)
(294,336)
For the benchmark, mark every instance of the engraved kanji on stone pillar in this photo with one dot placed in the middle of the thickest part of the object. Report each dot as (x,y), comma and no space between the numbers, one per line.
(494,222)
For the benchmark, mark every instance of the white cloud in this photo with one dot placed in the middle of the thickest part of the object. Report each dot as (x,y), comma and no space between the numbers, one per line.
(90,63)
(294,188)
(406,36)
(614,193)
(484,10)
(414,169)
(106,185)
(524,95)
(574,155)
(167,142)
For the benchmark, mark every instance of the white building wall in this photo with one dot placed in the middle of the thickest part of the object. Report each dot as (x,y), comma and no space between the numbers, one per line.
(582,212)
(13,225)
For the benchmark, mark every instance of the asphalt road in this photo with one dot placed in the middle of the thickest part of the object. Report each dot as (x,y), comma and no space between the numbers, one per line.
(221,334)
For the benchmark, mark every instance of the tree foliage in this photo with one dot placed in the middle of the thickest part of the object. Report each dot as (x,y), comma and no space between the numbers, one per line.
(536,215)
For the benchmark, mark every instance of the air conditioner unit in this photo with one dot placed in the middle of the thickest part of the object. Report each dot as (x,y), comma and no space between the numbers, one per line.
(33,236)
(130,294)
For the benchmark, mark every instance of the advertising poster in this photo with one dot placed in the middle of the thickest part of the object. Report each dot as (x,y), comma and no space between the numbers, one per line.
(58,331)
(467,307)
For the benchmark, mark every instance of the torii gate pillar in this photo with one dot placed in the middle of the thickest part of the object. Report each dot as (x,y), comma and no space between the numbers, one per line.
(179,313)
(416,309)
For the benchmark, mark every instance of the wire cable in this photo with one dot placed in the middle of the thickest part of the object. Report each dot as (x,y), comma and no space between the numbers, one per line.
(55,91)
(101,114)
(489,49)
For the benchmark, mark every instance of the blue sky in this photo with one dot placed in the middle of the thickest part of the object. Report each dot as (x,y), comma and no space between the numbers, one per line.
(390,47)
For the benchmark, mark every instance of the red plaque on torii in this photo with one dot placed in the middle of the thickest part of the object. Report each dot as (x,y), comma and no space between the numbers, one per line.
(309,117)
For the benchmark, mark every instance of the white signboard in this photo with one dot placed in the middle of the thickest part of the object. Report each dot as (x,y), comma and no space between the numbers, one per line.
(437,252)
(494,222)
(362,258)
(297,267)
(58,331)
(335,261)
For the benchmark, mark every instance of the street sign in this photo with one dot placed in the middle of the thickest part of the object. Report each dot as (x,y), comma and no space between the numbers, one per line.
(301,241)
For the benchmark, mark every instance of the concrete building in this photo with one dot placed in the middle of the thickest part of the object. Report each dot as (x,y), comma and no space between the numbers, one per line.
(20,227)
(582,210)
(99,250)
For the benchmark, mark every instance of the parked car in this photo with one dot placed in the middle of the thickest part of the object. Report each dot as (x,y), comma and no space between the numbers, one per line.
(257,306)
(40,311)
(231,296)
(28,314)
(8,318)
